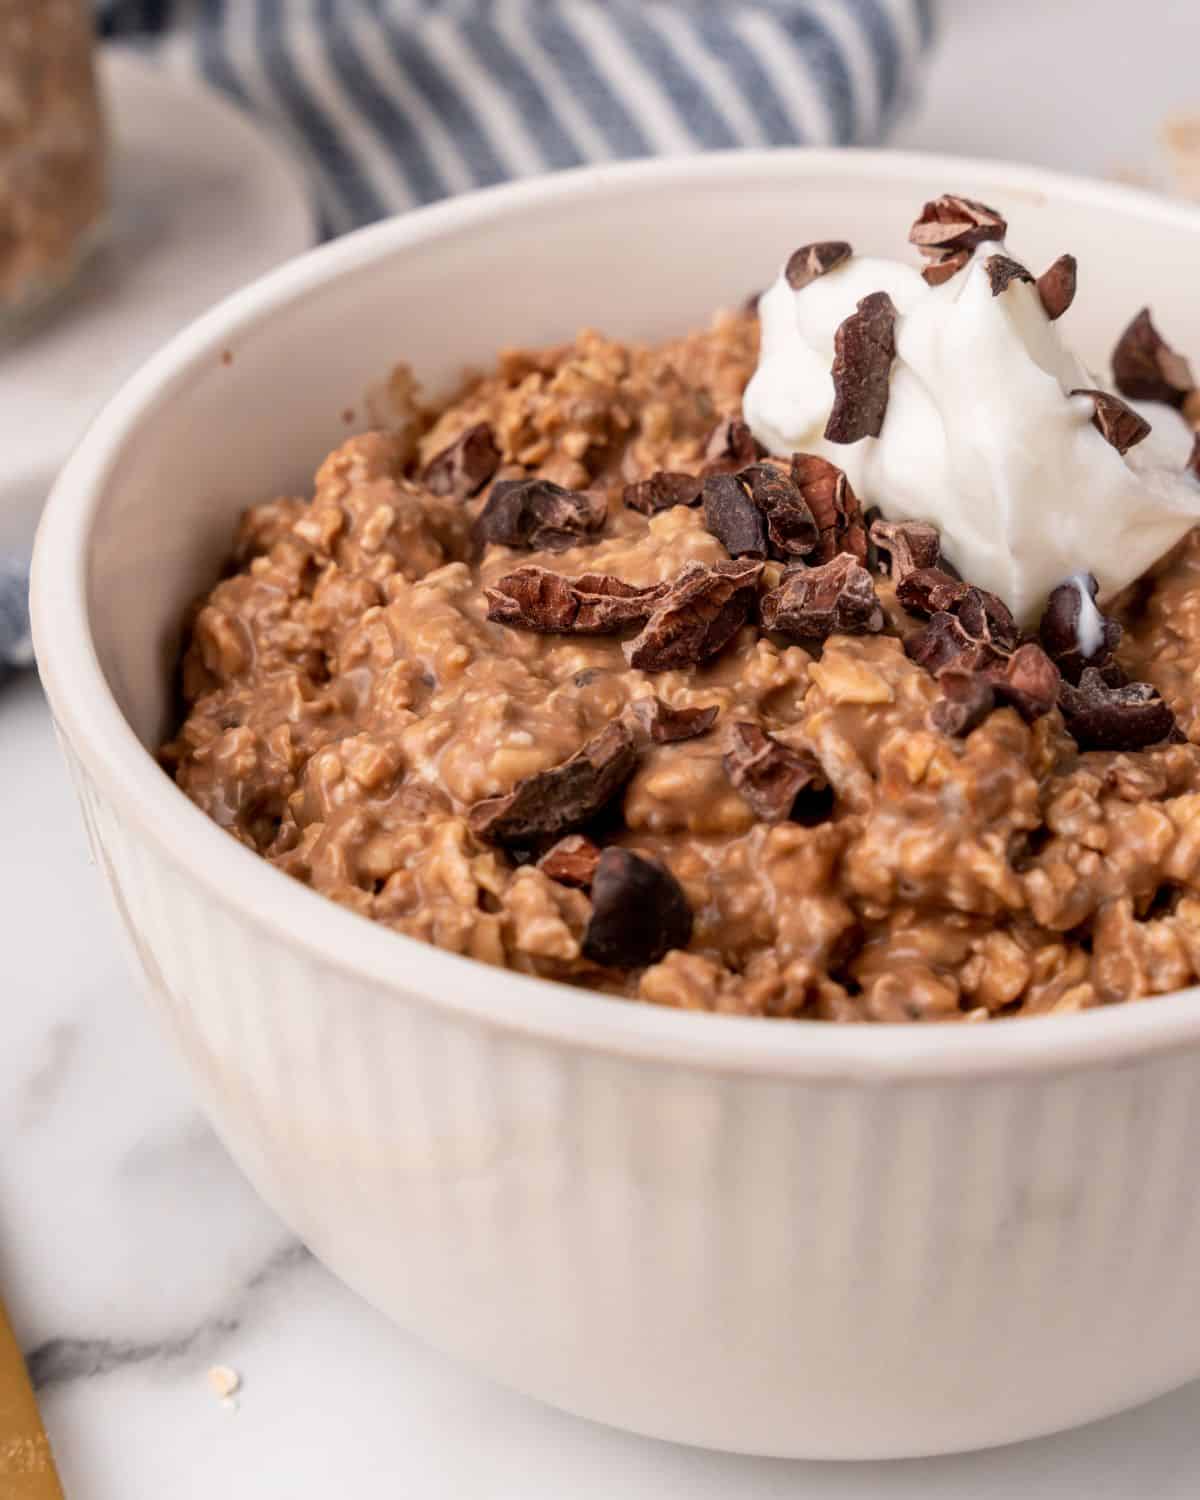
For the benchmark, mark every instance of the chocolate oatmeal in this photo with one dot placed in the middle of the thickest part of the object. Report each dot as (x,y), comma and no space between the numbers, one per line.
(573,676)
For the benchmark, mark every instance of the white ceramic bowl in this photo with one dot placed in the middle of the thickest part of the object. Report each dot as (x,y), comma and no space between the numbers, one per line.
(783,1238)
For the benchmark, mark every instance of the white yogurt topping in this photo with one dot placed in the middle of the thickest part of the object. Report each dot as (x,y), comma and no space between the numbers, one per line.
(980,437)
(1089,628)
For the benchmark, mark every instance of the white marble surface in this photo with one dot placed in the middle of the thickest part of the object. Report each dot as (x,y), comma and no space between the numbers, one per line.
(133,1256)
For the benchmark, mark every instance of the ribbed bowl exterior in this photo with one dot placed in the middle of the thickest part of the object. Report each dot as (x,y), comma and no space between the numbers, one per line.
(817,1269)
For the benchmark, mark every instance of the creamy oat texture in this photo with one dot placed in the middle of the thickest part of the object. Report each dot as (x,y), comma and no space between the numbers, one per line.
(348,701)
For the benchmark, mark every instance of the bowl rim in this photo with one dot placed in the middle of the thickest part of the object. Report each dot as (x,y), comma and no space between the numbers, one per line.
(89,720)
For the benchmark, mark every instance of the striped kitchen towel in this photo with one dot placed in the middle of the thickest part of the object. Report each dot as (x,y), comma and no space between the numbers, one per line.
(16,643)
(393,103)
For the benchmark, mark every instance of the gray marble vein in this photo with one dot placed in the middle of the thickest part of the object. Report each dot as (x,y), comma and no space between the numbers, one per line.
(160,1151)
(36,1094)
(60,1361)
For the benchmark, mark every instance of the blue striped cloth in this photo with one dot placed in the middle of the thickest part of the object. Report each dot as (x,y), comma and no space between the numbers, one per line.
(393,103)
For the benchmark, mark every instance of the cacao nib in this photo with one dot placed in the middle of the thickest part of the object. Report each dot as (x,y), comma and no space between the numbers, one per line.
(770,775)
(537,514)
(639,912)
(463,468)
(863,349)
(563,798)
(703,609)
(813,603)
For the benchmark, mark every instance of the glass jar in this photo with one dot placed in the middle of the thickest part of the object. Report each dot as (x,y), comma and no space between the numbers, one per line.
(52,150)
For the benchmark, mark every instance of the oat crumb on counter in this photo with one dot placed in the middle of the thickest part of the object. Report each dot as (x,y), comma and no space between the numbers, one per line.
(224,1382)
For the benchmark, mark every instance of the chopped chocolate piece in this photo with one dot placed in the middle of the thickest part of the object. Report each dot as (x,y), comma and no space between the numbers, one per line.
(1114,718)
(663,490)
(703,609)
(465,466)
(1002,271)
(954,223)
(967,699)
(987,618)
(757,511)
(834,506)
(639,912)
(534,598)
(1193,463)
(942,267)
(1146,368)
(1056,286)
(968,627)
(768,774)
(812,603)
(572,861)
(1028,680)
(944,642)
(791,527)
(665,725)
(929,591)
(863,349)
(811,261)
(732,516)
(732,446)
(536,513)
(1118,423)
(1060,634)
(907,546)
(874,559)
(1112,673)
(563,798)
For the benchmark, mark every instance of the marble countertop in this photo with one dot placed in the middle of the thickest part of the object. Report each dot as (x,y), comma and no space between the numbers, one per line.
(133,1255)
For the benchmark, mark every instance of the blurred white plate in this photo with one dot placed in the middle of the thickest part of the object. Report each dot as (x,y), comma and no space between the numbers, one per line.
(202,203)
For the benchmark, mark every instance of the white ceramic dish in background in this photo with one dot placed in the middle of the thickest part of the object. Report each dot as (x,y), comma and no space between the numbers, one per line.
(202,202)
(782,1238)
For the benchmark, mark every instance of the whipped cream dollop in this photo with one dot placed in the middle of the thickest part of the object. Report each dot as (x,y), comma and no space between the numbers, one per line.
(981,437)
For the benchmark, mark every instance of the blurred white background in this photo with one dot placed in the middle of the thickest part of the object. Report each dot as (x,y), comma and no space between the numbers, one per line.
(1082,85)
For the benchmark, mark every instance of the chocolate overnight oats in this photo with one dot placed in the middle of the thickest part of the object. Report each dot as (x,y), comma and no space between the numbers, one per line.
(720,673)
